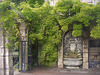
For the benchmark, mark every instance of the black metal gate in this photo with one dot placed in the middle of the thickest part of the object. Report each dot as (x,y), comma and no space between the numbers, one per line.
(23,56)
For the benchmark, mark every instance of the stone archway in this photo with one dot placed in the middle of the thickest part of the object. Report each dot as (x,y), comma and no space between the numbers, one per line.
(69,43)
(72,43)
(84,49)
(6,58)
(72,51)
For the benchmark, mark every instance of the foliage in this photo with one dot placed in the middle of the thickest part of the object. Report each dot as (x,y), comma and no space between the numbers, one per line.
(8,19)
(78,16)
(47,24)
(96,29)
(43,29)
(32,2)
(18,1)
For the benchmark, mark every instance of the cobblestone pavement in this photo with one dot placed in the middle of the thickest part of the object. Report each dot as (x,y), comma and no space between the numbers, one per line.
(57,71)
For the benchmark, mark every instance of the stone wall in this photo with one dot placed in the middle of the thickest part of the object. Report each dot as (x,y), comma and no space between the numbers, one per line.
(94,57)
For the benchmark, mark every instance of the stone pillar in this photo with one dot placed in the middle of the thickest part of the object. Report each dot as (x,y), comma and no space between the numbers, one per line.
(6,63)
(23,47)
(85,54)
(60,56)
(1,53)
(11,70)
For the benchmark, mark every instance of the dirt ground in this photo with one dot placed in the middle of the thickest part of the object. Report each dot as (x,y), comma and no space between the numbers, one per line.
(57,71)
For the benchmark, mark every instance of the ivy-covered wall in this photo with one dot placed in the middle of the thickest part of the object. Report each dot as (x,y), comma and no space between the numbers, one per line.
(47,24)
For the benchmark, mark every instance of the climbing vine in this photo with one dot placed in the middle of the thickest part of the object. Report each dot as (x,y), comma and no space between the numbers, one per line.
(47,24)
(8,19)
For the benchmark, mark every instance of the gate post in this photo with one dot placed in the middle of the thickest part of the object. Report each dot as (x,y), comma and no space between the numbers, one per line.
(1,53)
(85,54)
(23,47)
(60,56)
(6,63)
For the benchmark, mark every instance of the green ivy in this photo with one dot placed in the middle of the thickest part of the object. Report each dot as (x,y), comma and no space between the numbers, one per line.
(47,24)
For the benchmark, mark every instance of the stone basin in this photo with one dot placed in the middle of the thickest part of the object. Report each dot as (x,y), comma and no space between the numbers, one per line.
(74,62)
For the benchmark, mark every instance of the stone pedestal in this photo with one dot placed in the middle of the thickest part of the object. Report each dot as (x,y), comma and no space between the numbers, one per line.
(85,54)
(23,47)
